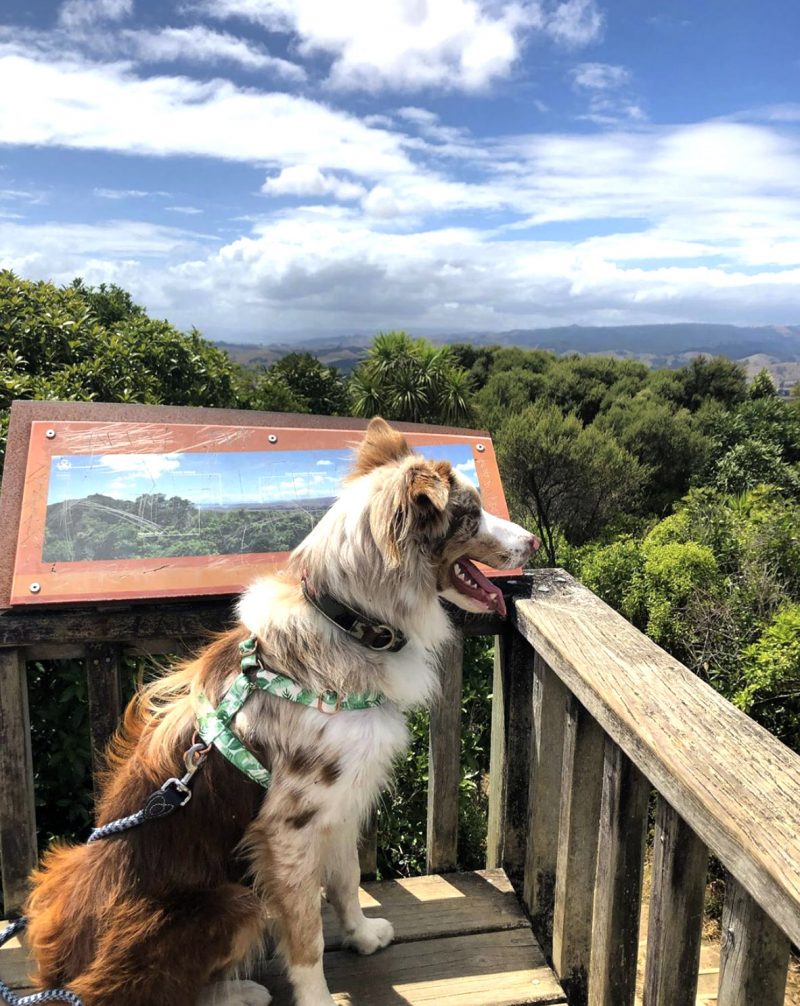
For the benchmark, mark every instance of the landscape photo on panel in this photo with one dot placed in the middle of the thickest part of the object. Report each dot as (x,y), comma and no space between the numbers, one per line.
(147,506)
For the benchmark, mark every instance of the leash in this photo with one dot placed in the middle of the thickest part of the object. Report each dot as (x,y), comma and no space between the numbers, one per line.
(166,800)
(213,726)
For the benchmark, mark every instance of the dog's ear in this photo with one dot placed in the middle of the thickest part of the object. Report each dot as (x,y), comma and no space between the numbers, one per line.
(429,486)
(380,446)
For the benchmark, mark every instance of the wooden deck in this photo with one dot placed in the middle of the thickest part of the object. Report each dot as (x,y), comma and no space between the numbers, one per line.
(460,940)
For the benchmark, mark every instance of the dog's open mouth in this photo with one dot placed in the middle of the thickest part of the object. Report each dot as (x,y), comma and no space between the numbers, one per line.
(469,581)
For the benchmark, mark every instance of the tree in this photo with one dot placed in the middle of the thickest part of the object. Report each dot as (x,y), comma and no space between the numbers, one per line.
(299,382)
(56,347)
(762,385)
(411,380)
(563,477)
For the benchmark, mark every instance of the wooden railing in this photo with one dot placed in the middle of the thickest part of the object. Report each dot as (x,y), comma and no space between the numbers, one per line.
(589,718)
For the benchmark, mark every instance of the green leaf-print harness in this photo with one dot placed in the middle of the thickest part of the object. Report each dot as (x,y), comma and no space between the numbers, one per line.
(214,724)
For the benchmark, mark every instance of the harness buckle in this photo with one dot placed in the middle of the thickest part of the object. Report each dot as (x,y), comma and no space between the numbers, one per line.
(329,712)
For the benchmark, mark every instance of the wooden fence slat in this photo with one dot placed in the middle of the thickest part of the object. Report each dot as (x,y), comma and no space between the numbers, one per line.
(549,701)
(18,851)
(368,848)
(510,753)
(674,933)
(581,795)
(618,888)
(754,957)
(444,763)
(103,661)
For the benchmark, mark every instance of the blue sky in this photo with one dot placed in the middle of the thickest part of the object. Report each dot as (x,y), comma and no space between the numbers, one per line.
(216,479)
(281,169)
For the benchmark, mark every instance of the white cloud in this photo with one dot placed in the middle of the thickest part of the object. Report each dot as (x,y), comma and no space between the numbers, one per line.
(107,107)
(307,180)
(323,462)
(88,13)
(600,76)
(412,44)
(204,45)
(576,23)
(150,466)
(120,193)
(189,211)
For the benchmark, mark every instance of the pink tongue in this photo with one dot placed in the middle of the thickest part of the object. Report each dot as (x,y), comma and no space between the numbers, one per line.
(485,586)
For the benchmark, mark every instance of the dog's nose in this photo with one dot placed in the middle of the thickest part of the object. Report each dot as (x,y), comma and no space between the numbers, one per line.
(533,543)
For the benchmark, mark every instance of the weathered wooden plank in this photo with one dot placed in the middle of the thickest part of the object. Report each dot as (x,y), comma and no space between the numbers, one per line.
(115,625)
(368,848)
(677,892)
(549,701)
(424,908)
(444,763)
(754,953)
(733,783)
(579,826)
(102,662)
(510,752)
(487,969)
(618,886)
(18,851)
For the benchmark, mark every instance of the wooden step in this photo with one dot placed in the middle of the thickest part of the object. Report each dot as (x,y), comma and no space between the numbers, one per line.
(461,939)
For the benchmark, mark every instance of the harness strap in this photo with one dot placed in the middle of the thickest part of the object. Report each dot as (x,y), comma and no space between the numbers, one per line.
(214,724)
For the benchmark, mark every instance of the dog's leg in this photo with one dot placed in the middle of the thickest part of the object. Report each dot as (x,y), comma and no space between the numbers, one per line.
(342,876)
(286,870)
(234,993)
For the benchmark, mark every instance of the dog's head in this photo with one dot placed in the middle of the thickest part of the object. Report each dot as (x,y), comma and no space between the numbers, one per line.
(423,513)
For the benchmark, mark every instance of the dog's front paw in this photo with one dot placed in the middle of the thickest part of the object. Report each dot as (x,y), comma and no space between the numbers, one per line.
(371,935)
(235,993)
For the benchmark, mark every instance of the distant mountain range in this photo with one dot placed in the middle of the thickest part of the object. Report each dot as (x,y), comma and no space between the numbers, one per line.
(775,347)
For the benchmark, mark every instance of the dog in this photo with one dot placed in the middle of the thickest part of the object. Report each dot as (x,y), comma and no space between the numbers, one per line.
(164,914)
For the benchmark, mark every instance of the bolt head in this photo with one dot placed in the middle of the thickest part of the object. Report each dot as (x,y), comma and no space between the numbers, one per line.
(273,439)
(480,447)
(50,434)
(35,588)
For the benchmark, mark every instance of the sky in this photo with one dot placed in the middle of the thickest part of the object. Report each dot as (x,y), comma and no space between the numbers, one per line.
(277,170)
(221,478)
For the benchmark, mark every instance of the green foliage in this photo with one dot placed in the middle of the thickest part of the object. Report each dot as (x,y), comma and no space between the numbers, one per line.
(762,385)
(412,380)
(564,477)
(55,346)
(298,382)
(403,810)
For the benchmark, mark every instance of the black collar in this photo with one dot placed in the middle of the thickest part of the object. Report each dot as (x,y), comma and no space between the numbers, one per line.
(360,627)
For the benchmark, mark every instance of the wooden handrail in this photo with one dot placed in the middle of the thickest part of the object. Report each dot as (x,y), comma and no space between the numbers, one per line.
(736,786)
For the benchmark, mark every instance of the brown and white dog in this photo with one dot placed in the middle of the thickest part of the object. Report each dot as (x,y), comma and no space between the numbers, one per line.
(161,915)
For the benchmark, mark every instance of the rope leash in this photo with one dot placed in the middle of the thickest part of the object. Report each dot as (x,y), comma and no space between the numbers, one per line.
(49,996)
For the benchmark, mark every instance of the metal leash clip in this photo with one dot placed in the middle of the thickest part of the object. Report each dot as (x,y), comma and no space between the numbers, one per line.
(193,760)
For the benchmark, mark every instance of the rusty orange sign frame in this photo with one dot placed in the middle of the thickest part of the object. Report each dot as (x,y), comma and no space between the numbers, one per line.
(61,431)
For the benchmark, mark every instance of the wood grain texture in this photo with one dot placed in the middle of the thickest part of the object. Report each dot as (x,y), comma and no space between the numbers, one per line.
(579,827)
(677,893)
(733,783)
(18,850)
(754,957)
(368,848)
(618,886)
(444,763)
(510,752)
(487,969)
(461,940)
(549,701)
(102,661)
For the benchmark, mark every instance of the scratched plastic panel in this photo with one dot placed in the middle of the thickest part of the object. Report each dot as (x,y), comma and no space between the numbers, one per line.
(114,510)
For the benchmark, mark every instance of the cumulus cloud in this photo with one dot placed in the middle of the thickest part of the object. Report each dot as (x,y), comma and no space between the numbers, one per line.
(451,44)
(150,466)
(308,180)
(93,106)
(600,76)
